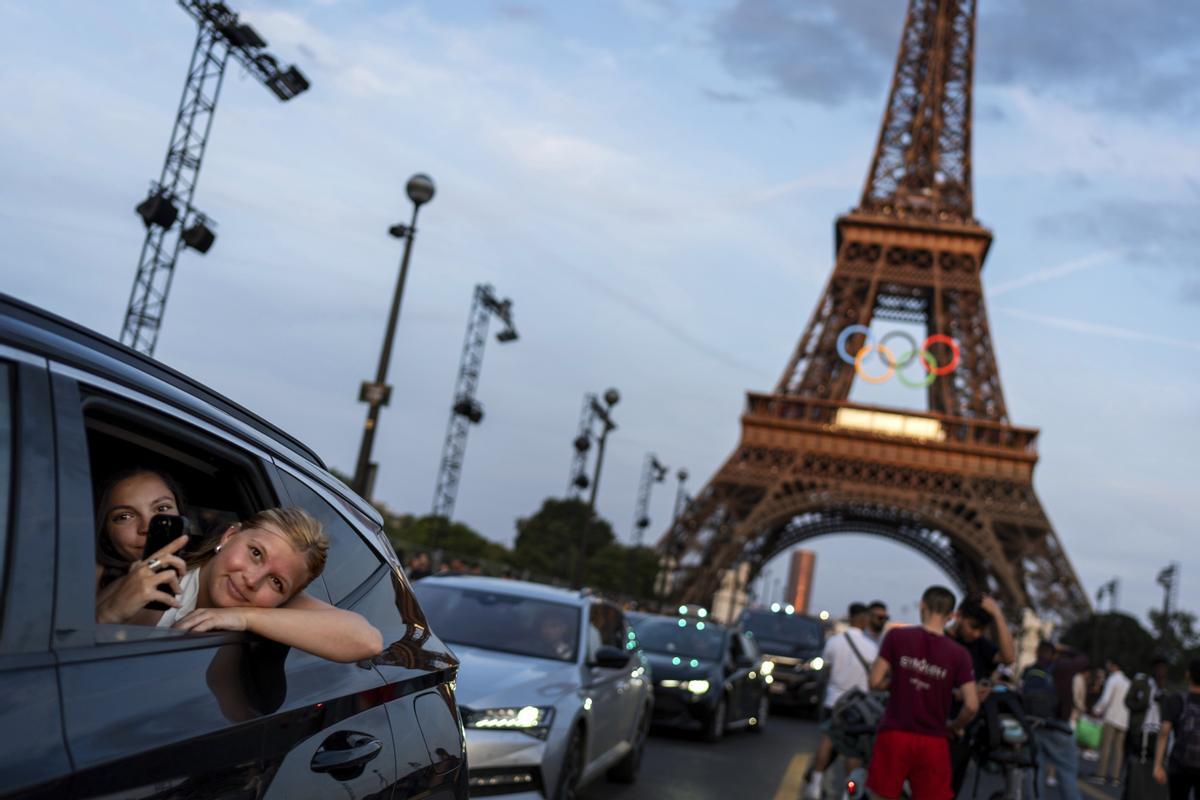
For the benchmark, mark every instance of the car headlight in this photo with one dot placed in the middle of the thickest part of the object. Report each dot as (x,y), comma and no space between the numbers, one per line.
(767,667)
(534,720)
(817,663)
(695,687)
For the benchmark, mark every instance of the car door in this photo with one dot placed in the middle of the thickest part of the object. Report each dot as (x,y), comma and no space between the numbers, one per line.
(33,762)
(149,710)
(605,686)
(413,672)
(737,677)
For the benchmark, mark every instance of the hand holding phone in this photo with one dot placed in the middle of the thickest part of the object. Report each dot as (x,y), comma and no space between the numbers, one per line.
(163,530)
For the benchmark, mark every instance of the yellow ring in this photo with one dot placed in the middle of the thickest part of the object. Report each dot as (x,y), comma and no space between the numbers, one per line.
(891,362)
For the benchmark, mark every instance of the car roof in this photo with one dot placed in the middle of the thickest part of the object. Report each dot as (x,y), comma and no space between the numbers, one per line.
(708,622)
(70,343)
(538,591)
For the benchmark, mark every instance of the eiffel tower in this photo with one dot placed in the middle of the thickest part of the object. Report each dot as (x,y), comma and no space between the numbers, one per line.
(955,483)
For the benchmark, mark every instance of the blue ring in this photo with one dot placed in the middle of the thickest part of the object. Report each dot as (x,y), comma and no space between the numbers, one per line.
(846,333)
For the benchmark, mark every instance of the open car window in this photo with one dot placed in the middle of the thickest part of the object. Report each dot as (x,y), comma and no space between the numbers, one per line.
(219,484)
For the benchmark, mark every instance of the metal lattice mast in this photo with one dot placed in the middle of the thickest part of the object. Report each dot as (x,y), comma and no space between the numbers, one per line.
(169,228)
(578,479)
(652,472)
(466,410)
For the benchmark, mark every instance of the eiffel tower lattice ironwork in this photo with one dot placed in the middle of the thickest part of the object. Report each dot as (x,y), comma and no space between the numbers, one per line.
(955,483)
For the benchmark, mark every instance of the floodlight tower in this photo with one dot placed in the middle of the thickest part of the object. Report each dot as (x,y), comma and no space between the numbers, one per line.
(172,222)
(653,471)
(466,410)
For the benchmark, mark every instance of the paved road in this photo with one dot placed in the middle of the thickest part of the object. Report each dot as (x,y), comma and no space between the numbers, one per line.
(754,766)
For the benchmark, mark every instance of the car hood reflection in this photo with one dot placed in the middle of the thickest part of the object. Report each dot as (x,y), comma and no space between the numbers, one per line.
(663,667)
(490,679)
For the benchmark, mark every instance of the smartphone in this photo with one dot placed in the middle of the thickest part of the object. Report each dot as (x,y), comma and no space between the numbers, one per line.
(164,529)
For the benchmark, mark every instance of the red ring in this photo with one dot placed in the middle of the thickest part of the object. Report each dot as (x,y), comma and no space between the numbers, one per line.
(953,345)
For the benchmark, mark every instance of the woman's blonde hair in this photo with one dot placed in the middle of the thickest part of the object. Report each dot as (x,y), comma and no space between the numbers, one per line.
(302,530)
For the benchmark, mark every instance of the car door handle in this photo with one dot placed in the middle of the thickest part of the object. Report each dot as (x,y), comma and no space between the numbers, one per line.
(344,754)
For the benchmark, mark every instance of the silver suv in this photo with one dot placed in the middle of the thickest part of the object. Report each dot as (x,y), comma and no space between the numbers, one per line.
(552,689)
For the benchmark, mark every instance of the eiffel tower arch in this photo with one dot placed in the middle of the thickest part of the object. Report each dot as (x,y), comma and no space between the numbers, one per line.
(954,483)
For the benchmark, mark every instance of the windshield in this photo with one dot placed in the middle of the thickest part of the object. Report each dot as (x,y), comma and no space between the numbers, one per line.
(664,635)
(802,632)
(496,621)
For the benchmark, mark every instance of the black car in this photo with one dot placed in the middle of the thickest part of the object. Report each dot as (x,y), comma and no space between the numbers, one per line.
(706,676)
(104,710)
(793,644)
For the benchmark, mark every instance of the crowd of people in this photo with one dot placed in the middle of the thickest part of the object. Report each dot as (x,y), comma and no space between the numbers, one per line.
(948,679)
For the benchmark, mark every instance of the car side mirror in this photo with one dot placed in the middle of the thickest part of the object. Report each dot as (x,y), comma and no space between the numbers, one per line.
(610,657)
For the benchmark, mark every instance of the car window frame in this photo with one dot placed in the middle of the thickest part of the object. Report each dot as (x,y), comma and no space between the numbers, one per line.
(76,634)
(340,507)
(25,612)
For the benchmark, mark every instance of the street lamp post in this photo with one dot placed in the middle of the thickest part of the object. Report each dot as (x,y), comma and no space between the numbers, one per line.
(420,190)
(607,426)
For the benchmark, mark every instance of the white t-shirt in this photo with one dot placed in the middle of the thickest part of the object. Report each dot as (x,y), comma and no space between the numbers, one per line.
(1111,704)
(846,671)
(189,592)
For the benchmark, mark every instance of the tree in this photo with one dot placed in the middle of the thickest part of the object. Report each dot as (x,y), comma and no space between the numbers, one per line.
(547,541)
(455,539)
(1178,641)
(1116,636)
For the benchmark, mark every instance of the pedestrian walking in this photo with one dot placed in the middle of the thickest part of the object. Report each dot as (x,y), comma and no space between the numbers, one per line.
(1181,716)
(1047,689)
(922,666)
(970,629)
(1111,708)
(1144,701)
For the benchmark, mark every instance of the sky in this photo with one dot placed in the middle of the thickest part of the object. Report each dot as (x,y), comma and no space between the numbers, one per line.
(654,184)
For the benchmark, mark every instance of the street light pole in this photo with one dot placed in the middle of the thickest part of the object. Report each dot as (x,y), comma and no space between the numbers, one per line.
(607,426)
(420,190)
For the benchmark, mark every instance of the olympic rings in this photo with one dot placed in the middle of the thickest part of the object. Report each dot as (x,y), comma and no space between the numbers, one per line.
(928,360)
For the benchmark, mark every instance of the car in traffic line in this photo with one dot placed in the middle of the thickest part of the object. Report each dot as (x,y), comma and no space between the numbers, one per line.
(552,689)
(706,676)
(793,642)
(120,710)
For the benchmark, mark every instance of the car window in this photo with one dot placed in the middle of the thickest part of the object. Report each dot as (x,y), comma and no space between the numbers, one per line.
(509,623)
(6,461)
(350,560)
(211,482)
(748,646)
(606,626)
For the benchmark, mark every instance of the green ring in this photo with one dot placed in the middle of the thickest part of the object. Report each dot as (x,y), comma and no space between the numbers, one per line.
(930,376)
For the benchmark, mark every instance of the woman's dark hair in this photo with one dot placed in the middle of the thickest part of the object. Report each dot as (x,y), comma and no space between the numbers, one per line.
(112,564)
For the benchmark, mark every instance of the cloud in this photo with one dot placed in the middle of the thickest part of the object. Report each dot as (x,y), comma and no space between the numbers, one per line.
(1106,331)
(520,12)
(1156,232)
(1057,271)
(733,98)
(1130,58)
(826,52)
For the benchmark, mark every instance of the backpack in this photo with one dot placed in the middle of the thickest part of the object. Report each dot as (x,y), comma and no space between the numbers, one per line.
(1138,699)
(854,719)
(1187,736)
(1039,694)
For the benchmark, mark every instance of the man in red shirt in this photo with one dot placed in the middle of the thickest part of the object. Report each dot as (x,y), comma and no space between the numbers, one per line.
(923,667)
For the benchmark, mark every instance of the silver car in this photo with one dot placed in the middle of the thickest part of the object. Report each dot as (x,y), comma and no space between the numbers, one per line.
(552,688)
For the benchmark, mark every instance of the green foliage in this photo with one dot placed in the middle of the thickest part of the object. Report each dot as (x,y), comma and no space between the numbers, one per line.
(1178,641)
(546,541)
(407,532)
(1116,636)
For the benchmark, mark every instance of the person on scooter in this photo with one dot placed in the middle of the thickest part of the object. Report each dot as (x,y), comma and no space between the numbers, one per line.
(848,658)
(923,667)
